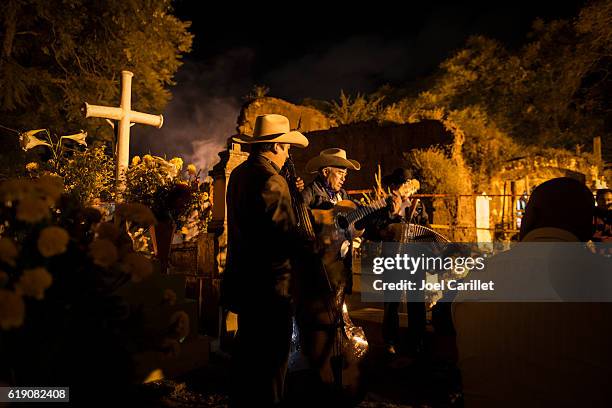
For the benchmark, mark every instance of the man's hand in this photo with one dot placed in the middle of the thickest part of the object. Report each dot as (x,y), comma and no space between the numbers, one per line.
(299,183)
(395,204)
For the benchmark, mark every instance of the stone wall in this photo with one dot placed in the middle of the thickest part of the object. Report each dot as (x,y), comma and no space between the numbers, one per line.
(308,119)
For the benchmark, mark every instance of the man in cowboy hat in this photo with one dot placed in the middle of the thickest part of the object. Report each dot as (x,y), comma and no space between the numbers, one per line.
(379,228)
(260,222)
(331,166)
(317,304)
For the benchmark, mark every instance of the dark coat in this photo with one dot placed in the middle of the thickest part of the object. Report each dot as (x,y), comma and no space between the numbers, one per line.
(317,196)
(260,228)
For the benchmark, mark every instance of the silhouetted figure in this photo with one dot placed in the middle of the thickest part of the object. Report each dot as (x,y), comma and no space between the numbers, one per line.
(541,354)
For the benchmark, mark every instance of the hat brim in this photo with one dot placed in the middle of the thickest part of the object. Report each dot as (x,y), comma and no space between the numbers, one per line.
(318,162)
(294,138)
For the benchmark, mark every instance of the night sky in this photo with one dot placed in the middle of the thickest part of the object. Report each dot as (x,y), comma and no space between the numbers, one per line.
(305,50)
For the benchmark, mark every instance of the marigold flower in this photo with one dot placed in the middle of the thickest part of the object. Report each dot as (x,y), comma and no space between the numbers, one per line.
(169,297)
(32,166)
(16,189)
(136,160)
(32,209)
(148,159)
(191,169)
(179,321)
(53,241)
(137,265)
(103,252)
(108,230)
(51,186)
(34,282)
(12,309)
(177,162)
(8,251)
(139,213)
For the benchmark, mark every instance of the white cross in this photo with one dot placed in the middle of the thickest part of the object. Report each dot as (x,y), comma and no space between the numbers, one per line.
(126,116)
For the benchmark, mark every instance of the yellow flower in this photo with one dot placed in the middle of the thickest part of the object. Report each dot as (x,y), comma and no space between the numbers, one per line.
(180,323)
(32,209)
(191,169)
(34,282)
(16,189)
(8,251)
(32,166)
(177,162)
(12,309)
(103,252)
(148,159)
(136,212)
(29,141)
(108,230)
(170,297)
(137,265)
(53,241)
(135,160)
(205,196)
(50,186)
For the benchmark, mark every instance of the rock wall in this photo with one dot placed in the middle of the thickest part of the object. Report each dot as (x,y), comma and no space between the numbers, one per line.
(308,119)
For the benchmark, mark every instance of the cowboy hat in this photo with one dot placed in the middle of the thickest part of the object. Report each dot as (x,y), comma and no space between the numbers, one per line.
(333,157)
(397,178)
(273,129)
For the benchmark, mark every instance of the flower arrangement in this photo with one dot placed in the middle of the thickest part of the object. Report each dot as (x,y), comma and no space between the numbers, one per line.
(88,173)
(174,194)
(61,269)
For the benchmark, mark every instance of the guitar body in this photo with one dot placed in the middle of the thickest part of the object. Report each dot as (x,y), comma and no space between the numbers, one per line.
(334,230)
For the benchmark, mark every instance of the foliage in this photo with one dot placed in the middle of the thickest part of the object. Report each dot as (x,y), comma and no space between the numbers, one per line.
(437,172)
(57,55)
(258,91)
(360,109)
(440,174)
(88,173)
(162,186)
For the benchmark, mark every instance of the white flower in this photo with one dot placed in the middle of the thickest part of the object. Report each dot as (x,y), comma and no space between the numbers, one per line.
(77,137)
(29,141)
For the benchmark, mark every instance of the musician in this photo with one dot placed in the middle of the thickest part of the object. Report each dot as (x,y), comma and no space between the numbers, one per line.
(260,222)
(322,292)
(380,228)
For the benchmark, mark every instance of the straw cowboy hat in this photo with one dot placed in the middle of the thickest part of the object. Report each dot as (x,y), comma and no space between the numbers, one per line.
(333,157)
(273,129)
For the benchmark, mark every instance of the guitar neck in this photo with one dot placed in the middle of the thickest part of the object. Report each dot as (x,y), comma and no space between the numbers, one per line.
(361,212)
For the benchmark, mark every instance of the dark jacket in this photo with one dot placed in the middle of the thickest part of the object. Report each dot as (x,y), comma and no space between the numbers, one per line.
(317,195)
(260,226)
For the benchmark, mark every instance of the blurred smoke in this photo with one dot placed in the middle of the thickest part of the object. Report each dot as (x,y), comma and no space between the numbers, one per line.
(203,111)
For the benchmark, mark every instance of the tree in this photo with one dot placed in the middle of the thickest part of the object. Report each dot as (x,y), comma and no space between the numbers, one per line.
(57,54)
